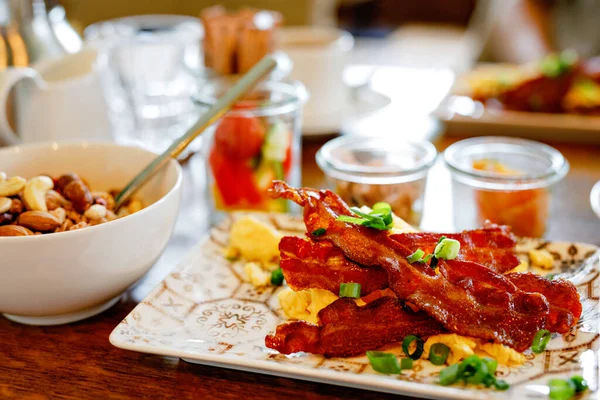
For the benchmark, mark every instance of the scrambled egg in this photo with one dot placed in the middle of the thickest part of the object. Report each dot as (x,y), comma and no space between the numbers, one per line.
(254,240)
(523,267)
(462,347)
(541,258)
(256,275)
(305,304)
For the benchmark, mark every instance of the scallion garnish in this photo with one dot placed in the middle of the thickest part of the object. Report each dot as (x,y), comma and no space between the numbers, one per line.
(447,249)
(561,389)
(580,383)
(473,370)
(350,290)
(417,256)
(438,353)
(406,363)
(379,218)
(540,341)
(277,277)
(385,363)
(319,232)
(419,346)
(449,375)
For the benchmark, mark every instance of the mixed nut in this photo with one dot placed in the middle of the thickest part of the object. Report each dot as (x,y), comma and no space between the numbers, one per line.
(45,205)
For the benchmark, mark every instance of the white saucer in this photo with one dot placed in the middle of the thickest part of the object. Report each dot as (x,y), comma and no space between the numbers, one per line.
(63,318)
(361,102)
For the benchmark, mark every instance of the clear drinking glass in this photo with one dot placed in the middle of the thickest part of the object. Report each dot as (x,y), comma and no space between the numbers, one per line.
(256,142)
(151,85)
(504,180)
(364,171)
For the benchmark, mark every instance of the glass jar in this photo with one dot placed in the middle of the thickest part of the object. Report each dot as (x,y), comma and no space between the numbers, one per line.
(256,142)
(364,171)
(504,180)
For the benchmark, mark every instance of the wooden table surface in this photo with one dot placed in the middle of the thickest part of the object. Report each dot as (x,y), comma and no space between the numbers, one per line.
(76,361)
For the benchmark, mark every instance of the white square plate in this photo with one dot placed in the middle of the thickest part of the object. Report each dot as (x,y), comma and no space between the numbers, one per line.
(205,313)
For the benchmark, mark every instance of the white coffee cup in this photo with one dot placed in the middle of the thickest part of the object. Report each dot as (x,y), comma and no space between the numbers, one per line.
(319,56)
(58,99)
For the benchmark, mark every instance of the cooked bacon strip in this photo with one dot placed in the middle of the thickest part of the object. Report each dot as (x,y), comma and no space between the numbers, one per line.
(348,330)
(565,307)
(307,264)
(467,298)
(492,246)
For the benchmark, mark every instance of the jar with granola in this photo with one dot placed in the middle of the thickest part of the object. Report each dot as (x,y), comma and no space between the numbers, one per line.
(364,171)
(504,180)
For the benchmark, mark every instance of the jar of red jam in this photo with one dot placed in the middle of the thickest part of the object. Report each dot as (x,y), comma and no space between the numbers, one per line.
(504,180)
(256,142)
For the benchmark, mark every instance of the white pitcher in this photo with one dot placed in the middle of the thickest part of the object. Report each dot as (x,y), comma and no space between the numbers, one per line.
(62,99)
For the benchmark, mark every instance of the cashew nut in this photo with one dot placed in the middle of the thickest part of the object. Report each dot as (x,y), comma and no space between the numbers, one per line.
(5,204)
(12,186)
(35,191)
(95,212)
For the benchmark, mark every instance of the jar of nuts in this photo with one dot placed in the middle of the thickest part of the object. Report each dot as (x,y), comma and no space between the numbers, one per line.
(42,204)
(364,171)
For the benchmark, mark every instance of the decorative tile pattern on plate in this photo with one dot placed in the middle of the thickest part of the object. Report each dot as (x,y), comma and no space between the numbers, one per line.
(204,313)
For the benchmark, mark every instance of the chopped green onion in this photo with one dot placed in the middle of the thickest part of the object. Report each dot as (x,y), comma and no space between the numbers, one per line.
(277,277)
(540,341)
(447,249)
(580,383)
(352,220)
(492,364)
(442,238)
(500,384)
(381,206)
(438,353)
(449,375)
(406,363)
(350,290)
(418,350)
(416,256)
(561,389)
(385,363)
(550,276)
(319,232)
(473,370)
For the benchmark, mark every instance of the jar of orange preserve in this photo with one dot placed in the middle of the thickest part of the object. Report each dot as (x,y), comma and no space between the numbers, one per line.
(504,180)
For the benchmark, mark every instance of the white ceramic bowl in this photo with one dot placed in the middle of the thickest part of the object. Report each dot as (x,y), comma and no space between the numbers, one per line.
(63,277)
(595,198)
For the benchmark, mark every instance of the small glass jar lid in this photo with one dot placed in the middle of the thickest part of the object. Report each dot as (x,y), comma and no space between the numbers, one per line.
(375,160)
(532,164)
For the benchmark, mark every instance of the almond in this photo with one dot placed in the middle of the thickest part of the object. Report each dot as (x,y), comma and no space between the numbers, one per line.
(39,221)
(14,230)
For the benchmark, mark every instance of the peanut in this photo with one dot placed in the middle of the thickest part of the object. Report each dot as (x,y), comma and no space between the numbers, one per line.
(14,230)
(39,221)
(59,213)
(54,200)
(16,207)
(65,226)
(134,206)
(78,225)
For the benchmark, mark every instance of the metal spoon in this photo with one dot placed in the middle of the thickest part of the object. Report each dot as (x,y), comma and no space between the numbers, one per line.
(259,71)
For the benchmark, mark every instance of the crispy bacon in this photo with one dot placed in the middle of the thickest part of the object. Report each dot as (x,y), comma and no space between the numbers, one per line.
(307,264)
(348,330)
(466,297)
(492,246)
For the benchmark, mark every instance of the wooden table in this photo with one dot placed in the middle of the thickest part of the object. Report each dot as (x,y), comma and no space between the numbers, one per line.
(76,361)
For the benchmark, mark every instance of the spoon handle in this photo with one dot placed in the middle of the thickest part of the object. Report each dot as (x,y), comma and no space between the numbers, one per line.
(223,104)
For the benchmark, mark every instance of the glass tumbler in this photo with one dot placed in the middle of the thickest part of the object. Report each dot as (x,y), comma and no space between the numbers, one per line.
(256,142)
(503,180)
(364,171)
